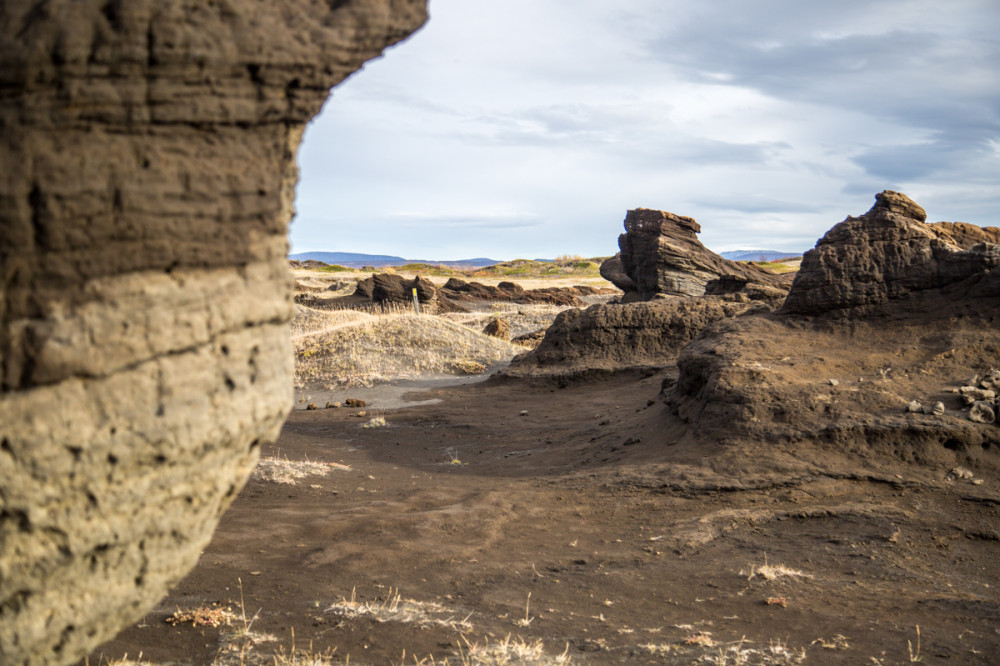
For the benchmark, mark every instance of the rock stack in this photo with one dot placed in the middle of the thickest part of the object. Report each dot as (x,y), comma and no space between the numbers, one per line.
(661,254)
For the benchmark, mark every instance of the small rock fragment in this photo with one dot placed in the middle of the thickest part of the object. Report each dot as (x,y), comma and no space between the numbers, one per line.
(312,405)
(834,382)
(497,328)
(991,380)
(524,412)
(354,402)
(982,412)
(971,394)
(961,473)
(937,409)
(332,405)
(915,407)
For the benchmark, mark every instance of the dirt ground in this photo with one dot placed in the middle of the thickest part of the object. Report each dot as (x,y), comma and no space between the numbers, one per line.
(579,514)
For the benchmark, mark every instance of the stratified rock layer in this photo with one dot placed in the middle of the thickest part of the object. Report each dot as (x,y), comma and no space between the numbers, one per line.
(148,172)
(617,337)
(888,256)
(661,254)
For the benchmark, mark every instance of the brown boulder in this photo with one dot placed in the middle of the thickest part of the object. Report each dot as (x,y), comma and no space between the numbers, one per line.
(498,327)
(888,258)
(612,271)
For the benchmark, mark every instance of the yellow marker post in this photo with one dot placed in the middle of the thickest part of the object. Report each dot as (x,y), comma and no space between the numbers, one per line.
(416,302)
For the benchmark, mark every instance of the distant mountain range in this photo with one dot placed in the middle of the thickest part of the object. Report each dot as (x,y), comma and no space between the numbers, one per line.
(757,255)
(360,260)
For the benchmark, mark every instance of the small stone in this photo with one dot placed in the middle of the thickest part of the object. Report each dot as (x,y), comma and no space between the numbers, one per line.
(914,407)
(937,409)
(991,380)
(333,405)
(312,405)
(498,328)
(355,403)
(834,382)
(977,482)
(961,473)
(982,412)
(971,394)
(524,412)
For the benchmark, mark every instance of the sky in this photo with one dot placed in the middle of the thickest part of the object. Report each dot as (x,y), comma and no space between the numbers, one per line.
(528,128)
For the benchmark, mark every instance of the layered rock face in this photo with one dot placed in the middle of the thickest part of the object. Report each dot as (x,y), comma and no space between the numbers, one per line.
(887,256)
(617,337)
(147,183)
(887,311)
(661,254)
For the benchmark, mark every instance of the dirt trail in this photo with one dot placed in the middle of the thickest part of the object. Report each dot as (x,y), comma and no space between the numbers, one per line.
(583,516)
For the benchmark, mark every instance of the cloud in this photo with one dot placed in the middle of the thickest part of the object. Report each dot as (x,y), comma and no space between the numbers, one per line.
(529,127)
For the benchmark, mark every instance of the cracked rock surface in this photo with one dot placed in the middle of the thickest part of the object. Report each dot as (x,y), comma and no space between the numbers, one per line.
(148,173)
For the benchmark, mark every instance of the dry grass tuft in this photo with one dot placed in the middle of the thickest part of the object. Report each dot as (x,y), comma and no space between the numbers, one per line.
(775,654)
(507,652)
(393,608)
(123,661)
(283,470)
(211,615)
(771,572)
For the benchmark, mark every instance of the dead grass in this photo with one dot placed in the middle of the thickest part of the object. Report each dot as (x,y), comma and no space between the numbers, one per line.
(393,608)
(349,348)
(208,615)
(282,470)
(771,572)
(776,653)
(506,652)
(523,319)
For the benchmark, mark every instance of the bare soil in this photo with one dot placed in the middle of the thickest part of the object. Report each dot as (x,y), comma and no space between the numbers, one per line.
(581,514)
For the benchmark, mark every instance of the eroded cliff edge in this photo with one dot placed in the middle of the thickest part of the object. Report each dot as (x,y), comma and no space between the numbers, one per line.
(148,173)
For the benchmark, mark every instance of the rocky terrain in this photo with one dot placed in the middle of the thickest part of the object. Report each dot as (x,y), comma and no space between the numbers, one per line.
(148,154)
(618,506)
(391,291)
(673,288)
(661,254)
(885,310)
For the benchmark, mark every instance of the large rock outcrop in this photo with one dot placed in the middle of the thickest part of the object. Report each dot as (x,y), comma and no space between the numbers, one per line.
(888,256)
(619,337)
(885,312)
(148,172)
(661,254)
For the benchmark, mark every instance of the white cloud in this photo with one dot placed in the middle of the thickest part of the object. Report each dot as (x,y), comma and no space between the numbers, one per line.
(529,127)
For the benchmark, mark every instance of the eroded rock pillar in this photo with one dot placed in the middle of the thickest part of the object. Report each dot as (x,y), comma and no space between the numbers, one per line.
(147,172)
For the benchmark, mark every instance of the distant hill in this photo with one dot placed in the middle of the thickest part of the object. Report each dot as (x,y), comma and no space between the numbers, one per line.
(360,260)
(758,255)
